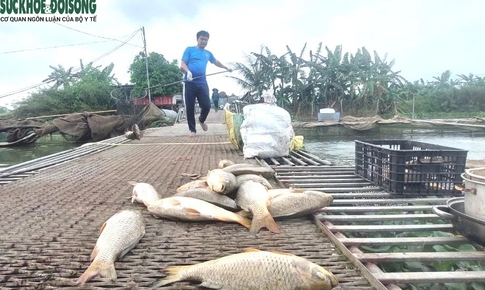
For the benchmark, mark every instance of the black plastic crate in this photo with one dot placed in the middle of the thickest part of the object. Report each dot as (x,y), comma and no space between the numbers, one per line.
(409,167)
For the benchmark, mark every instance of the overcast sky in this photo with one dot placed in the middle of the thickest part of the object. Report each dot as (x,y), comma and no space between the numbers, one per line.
(424,37)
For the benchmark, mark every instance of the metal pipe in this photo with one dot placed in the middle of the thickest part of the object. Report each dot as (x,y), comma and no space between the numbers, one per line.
(146,64)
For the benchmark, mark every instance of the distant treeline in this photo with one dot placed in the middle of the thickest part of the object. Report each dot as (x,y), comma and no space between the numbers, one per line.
(358,84)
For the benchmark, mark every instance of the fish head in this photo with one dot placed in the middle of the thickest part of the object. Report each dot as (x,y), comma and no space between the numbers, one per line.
(144,193)
(322,278)
(215,180)
(134,197)
(319,196)
(129,135)
(218,186)
(224,163)
(315,276)
(221,181)
(221,185)
(137,134)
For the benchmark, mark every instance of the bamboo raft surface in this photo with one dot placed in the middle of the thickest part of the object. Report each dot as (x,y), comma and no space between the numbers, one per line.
(52,209)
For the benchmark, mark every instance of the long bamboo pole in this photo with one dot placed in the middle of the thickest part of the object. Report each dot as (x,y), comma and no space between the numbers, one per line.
(63,115)
(448,123)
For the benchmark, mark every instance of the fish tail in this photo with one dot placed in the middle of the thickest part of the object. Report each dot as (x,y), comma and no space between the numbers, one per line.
(173,276)
(265,221)
(243,220)
(243,213)
(105,269)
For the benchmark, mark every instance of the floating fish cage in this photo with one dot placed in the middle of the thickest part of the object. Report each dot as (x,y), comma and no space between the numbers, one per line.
(407,167)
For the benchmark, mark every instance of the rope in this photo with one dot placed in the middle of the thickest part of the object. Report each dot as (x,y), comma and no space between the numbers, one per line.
(177,82)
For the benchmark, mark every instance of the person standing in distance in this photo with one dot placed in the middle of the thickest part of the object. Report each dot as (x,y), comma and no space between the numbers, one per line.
(194,63)
(215,99)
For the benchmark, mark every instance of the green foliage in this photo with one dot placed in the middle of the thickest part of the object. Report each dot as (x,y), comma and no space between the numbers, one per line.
(443,102)
(359,84)
(161,73)
(88,91)
(4,111)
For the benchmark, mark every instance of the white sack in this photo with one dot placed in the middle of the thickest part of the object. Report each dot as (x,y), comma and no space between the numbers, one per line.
(266,131)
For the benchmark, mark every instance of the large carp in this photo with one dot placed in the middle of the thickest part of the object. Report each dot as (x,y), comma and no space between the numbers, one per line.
(254,270)
(193,209)
(119,234)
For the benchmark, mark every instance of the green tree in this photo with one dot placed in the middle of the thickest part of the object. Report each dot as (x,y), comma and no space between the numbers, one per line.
(89,92)
(443,81)
(330,77)
(4,111)
(61,77)
(363,83)
(253,74)
(164,75)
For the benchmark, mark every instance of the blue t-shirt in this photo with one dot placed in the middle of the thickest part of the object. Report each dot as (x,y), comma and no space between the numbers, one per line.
(196,60)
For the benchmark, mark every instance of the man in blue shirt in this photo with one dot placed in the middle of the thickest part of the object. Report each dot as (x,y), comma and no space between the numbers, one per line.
(194,63)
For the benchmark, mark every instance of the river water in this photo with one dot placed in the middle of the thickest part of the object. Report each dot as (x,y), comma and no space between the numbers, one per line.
(15,155)
(338,149)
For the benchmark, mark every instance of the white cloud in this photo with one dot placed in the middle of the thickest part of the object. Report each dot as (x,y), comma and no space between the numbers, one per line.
(424,38)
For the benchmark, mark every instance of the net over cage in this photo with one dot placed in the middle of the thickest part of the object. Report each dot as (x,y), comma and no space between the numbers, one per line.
(81,127)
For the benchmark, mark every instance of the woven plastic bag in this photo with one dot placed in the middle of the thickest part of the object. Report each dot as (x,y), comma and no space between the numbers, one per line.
(266,131)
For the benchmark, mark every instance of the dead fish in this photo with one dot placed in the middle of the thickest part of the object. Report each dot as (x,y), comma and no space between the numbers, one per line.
(193,209)
(221,182)
(254,269)
(247,168)
(143,192)
(208,195)
(224,163)
(253,197)
(298,204)
(119,234)
(135,133)
(257,178)
(199,183)
(129,135)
